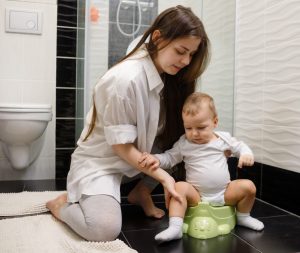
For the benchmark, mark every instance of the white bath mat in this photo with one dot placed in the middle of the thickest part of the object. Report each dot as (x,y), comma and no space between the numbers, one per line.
(43,233)
(24,203)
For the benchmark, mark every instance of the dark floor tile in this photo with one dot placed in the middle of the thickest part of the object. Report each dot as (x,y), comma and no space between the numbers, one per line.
(135,219)
(143,241)
(263,209)
(11,186)
(44,185)
(123,238)
(281,235)
(157,198)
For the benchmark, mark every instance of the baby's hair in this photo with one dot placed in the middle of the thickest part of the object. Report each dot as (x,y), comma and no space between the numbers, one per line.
(194,103)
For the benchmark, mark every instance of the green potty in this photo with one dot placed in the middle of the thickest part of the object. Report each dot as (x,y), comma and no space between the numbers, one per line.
(205,221)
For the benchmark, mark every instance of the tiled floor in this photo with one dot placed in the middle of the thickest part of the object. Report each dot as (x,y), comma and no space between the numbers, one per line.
(281,233)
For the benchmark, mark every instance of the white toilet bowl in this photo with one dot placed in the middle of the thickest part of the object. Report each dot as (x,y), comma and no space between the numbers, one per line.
(21,132)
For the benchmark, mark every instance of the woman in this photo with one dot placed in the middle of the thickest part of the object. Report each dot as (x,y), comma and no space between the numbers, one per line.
(137,103)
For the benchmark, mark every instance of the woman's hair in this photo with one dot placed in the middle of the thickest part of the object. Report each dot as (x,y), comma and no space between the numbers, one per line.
(198,101)
(174,23)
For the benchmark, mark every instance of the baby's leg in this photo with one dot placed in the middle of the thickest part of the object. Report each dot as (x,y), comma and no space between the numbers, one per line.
(95,218)
(190,197)
(241,193)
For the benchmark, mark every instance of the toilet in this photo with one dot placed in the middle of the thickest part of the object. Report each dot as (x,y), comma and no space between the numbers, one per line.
(22,130)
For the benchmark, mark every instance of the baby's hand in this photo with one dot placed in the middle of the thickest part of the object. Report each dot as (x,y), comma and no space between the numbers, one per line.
(246,160)
(148,161)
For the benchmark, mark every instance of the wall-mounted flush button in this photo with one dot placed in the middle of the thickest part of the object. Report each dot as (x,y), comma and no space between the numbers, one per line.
(23,21)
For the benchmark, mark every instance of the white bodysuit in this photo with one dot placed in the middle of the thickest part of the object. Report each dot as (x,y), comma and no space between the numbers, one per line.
(128,104)
(205,164)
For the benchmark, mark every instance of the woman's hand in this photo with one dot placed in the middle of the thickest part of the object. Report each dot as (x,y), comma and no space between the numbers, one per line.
(170,191)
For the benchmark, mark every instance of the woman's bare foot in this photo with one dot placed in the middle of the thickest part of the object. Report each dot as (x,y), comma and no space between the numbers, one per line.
(141,195)
(56,204)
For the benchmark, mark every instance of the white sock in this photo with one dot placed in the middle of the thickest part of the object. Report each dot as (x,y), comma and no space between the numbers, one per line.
(244,219)
(174,231)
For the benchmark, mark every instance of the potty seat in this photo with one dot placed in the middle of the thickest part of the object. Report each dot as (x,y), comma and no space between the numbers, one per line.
(205,221)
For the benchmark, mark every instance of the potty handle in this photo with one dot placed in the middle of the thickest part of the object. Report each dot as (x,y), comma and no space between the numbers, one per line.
(206,221)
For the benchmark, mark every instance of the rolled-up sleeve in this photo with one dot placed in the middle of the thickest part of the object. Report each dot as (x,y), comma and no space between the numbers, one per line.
(120,134)
(120,120)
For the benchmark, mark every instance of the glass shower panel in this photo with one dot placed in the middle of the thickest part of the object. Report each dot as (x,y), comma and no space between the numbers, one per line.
(218,17)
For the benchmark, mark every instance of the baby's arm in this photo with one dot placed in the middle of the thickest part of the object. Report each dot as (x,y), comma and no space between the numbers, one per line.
(243,151)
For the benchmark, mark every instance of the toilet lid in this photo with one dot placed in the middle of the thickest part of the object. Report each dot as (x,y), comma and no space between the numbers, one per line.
(25,108)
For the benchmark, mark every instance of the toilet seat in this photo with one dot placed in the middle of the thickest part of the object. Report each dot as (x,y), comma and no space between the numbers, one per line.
(25,108)
(26,112)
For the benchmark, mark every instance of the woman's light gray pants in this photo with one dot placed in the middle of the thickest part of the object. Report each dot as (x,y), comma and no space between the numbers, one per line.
(95,218)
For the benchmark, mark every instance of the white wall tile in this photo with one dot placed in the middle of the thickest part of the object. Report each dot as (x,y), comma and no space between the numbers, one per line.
(249,69)
(247,11)
(10,91)
(282,23)
(271,76)
(282,63)
(252,136)
(248,106)
(282,105)
(39,92)
(39,1)
(271,3)
(281,148)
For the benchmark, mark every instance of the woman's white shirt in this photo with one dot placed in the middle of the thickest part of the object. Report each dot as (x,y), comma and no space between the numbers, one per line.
(128,103)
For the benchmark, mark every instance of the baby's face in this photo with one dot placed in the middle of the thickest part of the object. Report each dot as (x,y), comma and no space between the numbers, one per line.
(199,127)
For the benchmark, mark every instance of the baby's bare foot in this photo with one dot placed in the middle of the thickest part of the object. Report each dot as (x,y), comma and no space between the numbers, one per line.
(141,196)
(56,204)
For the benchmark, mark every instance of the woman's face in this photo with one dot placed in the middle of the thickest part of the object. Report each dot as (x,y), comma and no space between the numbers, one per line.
(176,55)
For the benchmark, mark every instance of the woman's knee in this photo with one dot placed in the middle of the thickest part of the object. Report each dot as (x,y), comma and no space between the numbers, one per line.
(103,231)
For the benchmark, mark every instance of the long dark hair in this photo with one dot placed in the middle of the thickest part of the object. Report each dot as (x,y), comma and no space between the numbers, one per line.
(174,23)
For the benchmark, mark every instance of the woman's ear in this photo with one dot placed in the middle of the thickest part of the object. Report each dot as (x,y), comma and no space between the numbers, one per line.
(156,35)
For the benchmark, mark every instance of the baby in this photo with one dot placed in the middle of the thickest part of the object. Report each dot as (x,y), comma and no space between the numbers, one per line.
(207,177)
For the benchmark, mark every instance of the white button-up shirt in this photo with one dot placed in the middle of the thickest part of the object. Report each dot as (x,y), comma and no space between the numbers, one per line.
(128,103)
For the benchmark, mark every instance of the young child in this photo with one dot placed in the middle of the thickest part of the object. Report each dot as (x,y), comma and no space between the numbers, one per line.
(207,176)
